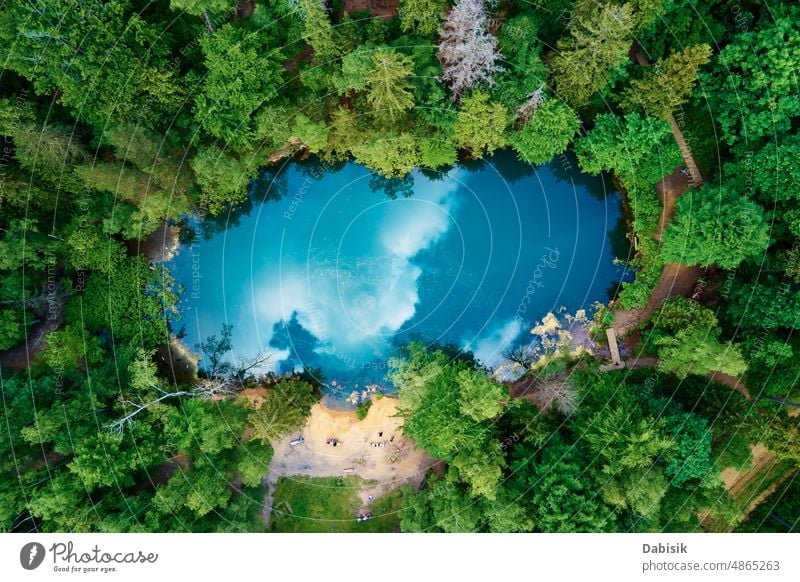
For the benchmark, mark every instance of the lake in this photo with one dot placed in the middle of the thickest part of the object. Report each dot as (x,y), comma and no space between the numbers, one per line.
(333,268)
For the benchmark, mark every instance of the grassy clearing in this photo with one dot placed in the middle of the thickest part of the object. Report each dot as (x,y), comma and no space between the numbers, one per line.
(744,499)
(778,513)
(330,505)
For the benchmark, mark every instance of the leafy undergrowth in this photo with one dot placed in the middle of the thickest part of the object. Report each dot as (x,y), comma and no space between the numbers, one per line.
(331,505)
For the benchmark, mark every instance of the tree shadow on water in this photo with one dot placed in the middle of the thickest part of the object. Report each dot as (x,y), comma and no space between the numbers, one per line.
(393,187)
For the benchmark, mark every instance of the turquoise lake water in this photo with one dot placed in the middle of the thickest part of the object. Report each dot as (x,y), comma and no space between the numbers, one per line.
(333,268)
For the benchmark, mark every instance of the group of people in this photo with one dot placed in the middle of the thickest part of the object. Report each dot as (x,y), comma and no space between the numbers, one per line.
(364,516)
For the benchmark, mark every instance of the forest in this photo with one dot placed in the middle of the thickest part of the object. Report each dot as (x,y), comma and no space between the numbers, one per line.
(119,117)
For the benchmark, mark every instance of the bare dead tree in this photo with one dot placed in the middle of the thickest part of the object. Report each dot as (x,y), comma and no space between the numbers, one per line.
(206,388)
(468,52)
(244,366)
(527,109)
(118,426)
(522,355)
(558,394)
(223,379)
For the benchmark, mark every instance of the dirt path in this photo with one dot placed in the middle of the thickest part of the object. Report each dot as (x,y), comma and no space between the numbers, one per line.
(764,495)
(734,481)
(643,362)
(731,382)
(669,189)
(398,461)
(676,280)
(270,482)
(21,356)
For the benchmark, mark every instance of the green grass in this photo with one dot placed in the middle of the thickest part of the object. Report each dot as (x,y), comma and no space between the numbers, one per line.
(779,513)
(330,505)
(734,508)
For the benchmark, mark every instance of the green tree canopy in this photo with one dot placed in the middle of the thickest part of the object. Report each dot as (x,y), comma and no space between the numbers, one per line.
(597,43)
(242,75)
(547,133)
(715,226)
(480,125)
(640,150)
(108,62)
(752,87)
(422,17)
(445,405)
(285,408)
(388,88)
(667,84)
(696,352)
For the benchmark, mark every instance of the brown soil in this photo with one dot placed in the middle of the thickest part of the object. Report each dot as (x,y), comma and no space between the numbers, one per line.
(761,497)
(385,9)
(525,388)
(291,64)
(669,189)
(166,469)
(244,10)
(21,356)
(254,396)
(292,145)
(625,321)
(731,382)
(643,362)
(676,280)
(734,481)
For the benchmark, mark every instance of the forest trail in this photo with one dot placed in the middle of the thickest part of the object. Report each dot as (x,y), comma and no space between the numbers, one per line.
(676,280)
(738,482)
(731,382)
(766,493)
(735,481)
(669,189)
(52,317)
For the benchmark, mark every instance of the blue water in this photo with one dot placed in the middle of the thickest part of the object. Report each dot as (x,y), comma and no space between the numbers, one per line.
(333,268)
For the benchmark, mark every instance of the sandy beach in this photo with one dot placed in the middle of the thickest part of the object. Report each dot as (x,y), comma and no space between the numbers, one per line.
(395,463)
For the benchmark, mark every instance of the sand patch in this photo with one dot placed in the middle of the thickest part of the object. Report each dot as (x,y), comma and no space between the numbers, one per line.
(395,463)
(734,481)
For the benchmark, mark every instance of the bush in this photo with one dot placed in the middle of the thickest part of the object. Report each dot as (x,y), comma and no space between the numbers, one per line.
(362,409)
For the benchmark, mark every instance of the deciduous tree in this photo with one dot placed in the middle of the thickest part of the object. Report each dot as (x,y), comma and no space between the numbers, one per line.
(597,43)
(285,408)
(422,17)
(715,226)
(547,133)
(480,125)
